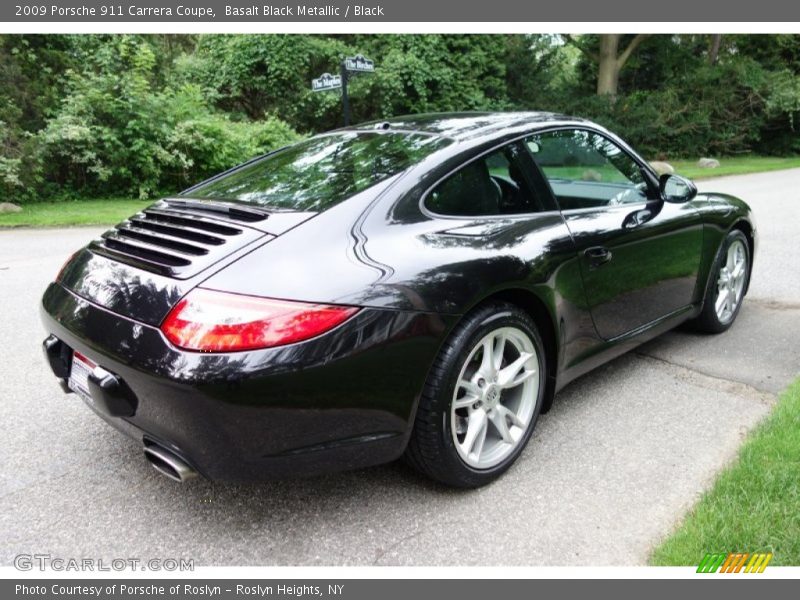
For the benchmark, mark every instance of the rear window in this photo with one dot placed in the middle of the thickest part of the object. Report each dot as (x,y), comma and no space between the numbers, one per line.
(322,171)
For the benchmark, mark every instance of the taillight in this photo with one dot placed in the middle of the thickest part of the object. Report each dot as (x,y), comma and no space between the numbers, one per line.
(65,265)
(212,321)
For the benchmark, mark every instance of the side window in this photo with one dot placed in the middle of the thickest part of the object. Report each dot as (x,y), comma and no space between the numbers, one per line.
(587,170)
(493,184)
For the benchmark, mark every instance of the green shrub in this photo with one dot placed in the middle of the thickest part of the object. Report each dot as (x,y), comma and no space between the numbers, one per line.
(138,115)
(117,133)
(211,143)
(717,110)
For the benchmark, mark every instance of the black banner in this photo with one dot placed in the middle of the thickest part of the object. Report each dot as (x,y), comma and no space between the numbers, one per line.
(463,11)
(370,589)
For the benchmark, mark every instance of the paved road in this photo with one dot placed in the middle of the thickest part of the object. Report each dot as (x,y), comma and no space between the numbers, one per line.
(625,451)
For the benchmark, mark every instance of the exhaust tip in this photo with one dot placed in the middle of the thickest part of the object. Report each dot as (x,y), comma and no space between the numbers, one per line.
(168,464)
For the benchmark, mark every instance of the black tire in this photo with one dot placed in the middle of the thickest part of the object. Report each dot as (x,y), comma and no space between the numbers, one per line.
(709,321)
(431,449)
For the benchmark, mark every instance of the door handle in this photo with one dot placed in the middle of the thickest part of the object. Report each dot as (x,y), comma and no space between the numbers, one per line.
(597,255)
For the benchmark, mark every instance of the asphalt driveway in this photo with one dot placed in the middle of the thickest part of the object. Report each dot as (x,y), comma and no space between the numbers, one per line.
(624,452)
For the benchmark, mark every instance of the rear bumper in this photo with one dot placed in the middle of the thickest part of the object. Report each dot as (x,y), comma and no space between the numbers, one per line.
(343,400)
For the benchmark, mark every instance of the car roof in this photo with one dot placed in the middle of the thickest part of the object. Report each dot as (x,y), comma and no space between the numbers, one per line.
(462,126)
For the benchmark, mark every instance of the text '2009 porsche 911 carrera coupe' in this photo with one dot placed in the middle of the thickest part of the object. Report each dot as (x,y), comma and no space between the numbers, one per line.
(419,287)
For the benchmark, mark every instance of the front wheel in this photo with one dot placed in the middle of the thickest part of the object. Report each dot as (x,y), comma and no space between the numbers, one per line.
(729,277)
(481,400)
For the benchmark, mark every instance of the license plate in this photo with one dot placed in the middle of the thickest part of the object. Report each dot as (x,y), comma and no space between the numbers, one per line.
(78,382)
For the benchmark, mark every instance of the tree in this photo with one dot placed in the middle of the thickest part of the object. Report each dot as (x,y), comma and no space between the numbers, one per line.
(257,74)
(428,73)
(608,58)
(121,129)
(611,62)
(111,115)
(713,49)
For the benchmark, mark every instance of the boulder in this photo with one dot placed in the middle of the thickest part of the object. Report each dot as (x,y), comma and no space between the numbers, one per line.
(708,163)
(7,207)
(662,168)
(591,175)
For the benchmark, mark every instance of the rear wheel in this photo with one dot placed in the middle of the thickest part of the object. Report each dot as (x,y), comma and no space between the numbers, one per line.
(481,400)
(728,282)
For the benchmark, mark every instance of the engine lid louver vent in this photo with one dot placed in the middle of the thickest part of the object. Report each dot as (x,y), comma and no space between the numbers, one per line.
(179,238)
(227,210)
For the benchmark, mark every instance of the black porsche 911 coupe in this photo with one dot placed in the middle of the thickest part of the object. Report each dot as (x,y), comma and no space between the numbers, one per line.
(420,287)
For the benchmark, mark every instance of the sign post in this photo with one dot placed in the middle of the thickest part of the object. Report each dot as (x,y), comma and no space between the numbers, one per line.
(349,67)
(345,97)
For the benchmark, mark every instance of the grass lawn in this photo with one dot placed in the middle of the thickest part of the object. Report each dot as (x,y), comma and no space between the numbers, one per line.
(78,212)
(754,505)
(738,165)
(109,211)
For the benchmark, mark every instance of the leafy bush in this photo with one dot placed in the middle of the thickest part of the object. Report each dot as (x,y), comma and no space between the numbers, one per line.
(138,115)
(116,133)
(431,73)
(718,110)
(251,74)
(780,134)
(211,143)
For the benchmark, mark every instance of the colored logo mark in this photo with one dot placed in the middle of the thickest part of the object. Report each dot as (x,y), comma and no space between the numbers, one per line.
(734,562)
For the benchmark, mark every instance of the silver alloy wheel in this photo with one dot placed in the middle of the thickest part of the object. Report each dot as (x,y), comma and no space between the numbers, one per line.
(730,283)
(495,397)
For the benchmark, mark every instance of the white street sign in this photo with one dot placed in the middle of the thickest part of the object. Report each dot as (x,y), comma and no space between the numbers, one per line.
(326,81)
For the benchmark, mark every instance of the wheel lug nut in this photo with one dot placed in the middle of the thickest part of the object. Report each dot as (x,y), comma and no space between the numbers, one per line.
(481,382)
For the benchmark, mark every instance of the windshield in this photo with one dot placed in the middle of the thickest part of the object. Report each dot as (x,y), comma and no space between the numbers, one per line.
(322,171)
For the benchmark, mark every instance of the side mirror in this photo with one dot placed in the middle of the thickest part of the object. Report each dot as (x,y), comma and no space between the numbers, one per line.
(675,188)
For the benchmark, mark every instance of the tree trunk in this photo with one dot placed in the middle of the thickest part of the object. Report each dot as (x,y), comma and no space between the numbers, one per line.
(713,51)
(608,67)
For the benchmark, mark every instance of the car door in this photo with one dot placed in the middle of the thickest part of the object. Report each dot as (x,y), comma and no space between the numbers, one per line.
(639,256)
(496,219)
